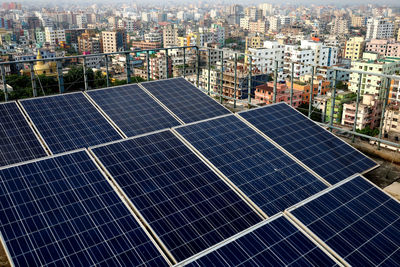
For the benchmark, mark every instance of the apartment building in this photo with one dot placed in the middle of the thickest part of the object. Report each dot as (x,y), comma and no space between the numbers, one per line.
(54,37)
(114,41)
(379,28)
(369,113)
(89,42)
(391,122)
(372,84)
(354,48)
(386,48)
(341,98)
(264,94)
(171,34)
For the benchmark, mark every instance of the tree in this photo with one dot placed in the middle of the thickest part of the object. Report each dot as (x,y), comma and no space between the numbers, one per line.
(74,79)
(368,131)
(315,113)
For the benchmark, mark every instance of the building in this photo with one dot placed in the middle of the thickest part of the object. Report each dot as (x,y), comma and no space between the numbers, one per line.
(171,33)
(54,37)
(265,94)
(259,26)
(368,115)
(143,45)
(42,68)
(340,99)
(372,84)
(320,86)
(357,21)
(386,48)
(394,93)
(263,58)
(89,42)
(354,48)
(391,123)
(254,41)
(274,24)
(158,67)
(379,28)
(114,41)
(340,26)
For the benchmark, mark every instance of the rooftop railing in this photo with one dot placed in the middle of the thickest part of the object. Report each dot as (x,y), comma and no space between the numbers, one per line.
(231,77)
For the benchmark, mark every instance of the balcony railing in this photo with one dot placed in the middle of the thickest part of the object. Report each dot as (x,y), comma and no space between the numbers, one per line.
(238,66)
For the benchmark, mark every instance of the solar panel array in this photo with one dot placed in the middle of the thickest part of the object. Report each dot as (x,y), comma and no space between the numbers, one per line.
(185,100)
(357,220)
(270,178)
(199,189)
(324,153)
(275,242)
(18,142)
(132,109)
(61,211)
(68,122)
(188,206)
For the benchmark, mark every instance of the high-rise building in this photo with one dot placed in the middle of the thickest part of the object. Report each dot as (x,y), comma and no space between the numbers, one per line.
(379,28)
(114,41)
(171,34)
(89,42)
(371,84)
(385,48)
(54,37)
(354,48)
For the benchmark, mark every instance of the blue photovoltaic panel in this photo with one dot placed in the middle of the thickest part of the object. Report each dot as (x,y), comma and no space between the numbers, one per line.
(132,109)
(62,211)
(276,242)
(17,140)
(68,122)
(187,205)
(321,151)
(358,221)
(185,100)
(263,172)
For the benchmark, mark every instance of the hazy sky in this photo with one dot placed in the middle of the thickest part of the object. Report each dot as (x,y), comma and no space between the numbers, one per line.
(244,2)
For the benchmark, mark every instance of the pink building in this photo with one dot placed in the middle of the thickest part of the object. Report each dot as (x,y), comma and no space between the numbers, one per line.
(387,48)
(265,93)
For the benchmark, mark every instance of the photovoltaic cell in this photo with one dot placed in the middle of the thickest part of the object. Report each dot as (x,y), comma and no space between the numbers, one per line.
(61,211)
(270,178)
(187,205)
(321,151)
(275,242)
(185,100)
(132,109)
(17,140)
(357,220)
(68,122)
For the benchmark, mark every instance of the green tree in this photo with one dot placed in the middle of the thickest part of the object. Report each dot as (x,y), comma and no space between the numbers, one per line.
(74,79)
(315,113)
(368,131)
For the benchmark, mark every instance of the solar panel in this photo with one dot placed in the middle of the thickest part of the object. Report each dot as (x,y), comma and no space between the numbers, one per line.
(185,100)
(186,204)
(357,220)
(321,151)
(17,140)
(61,211)
(270,178)
(68,122)
(275,242)
(132,109)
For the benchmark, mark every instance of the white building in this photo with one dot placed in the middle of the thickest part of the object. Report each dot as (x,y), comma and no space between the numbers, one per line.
(379,28)
(153,37)
(274,24)
(264,58)
(54,37)
(244,23)
(81,20)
